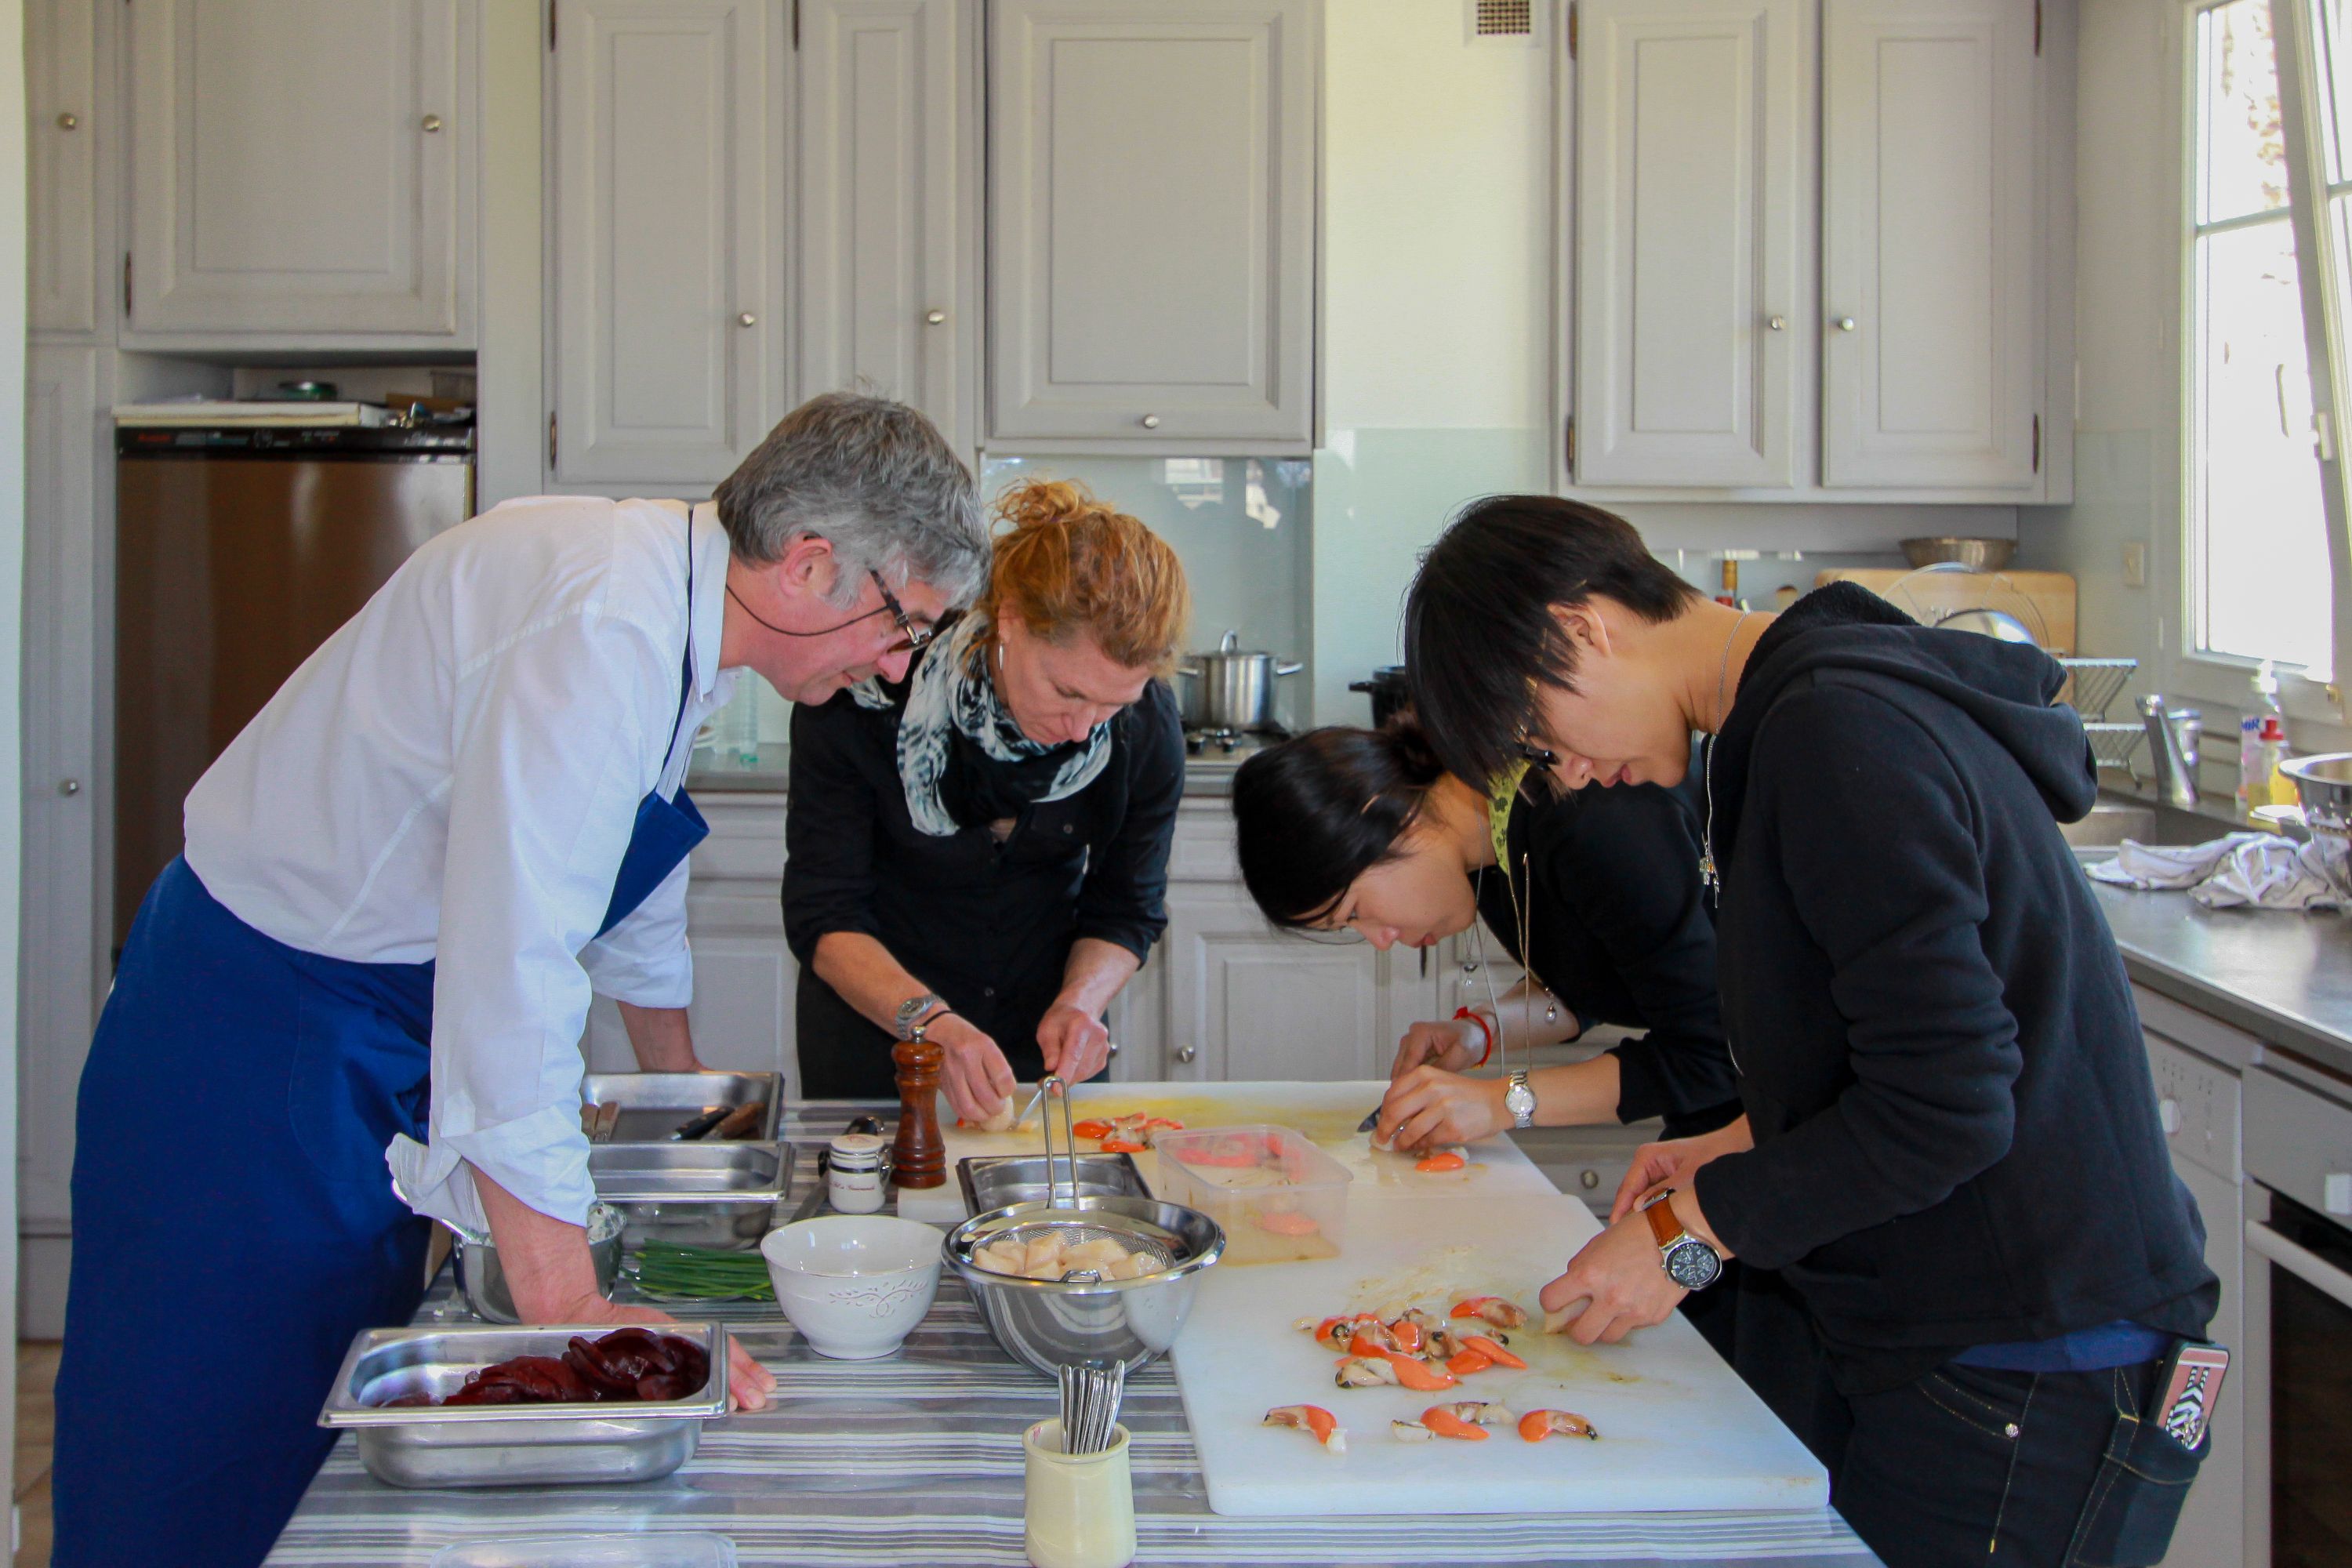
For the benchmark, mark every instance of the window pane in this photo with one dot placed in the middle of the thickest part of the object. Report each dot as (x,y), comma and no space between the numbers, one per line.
(2242,157)
(2259,541)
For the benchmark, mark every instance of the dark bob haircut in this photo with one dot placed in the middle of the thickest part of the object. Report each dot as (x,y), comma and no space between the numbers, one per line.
(1313,813)
(1478,628)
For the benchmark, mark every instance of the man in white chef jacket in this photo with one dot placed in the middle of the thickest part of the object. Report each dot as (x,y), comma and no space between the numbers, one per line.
(461,818)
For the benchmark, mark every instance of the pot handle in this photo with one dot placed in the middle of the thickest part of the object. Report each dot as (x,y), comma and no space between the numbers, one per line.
(1188,666)
(1288,668)
(1230,642)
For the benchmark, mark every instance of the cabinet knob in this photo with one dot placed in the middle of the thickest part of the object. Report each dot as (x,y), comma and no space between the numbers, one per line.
(69,787)
(1778,323)
(1113,1051)
(747,320)
(1845,323)
(1185,1054)
(1151,422)
(432,124)
(69,119)
(1589,1179)
(936,318)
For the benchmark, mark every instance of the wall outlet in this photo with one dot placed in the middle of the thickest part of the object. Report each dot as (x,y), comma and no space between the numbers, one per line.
(2136,564)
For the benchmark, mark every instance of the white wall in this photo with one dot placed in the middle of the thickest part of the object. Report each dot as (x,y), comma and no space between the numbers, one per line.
(11,572)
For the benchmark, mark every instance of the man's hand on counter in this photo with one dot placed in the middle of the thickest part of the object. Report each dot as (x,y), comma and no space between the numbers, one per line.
(749,1384)
(1619,1275)
(974,1071)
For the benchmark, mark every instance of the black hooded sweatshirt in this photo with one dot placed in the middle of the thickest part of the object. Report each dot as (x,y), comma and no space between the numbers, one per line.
(1955,1135)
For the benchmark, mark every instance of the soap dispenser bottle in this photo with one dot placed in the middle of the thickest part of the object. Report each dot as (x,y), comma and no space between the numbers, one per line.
(2262,741)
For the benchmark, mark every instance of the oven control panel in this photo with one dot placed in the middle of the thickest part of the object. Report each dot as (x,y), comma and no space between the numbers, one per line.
(2197,1100)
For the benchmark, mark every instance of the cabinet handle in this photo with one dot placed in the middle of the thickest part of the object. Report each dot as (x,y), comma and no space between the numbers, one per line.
(936,318)
(69,787)
(747,320)
(1185,1054)
(1777,324)
(1845,323)
(69,119)
(1151,422)
(1114,1049)
(432,124)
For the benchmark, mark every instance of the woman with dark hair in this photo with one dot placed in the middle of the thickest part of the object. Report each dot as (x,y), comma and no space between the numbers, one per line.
(1597,896)
(1950,1149)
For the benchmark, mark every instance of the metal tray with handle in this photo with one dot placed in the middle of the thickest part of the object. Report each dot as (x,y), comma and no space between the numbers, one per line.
(693,1195)
(509,1444)
(652,1105)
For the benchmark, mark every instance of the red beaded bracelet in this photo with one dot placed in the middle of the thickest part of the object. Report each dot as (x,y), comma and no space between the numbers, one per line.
(1486,1034)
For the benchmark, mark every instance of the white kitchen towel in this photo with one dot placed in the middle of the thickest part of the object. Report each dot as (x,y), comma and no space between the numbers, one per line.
(2261,869)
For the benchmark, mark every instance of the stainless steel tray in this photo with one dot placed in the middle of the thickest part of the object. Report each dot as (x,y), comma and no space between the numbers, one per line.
(509,1444)
(693,1195)
(653,1104)
(999,1181)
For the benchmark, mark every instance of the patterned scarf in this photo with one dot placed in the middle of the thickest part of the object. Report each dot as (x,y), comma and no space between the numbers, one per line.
(962,760)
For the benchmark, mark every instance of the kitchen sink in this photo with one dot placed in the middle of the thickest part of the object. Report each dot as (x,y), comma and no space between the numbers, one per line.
(2115,819)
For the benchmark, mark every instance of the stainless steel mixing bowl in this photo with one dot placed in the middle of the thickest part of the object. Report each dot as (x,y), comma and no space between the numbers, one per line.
(1050,1325)
(2324,786)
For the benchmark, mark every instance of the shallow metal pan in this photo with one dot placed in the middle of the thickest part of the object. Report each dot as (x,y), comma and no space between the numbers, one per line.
(509,1444)
(998,1181)
(653,1104)
(693,1195)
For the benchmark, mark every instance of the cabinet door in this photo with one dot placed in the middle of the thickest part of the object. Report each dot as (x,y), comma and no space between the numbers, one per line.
(295,166)
(1247,1001)
(61,83)
(61,983)
(885,285)
(1691,120)
(1151,219)
(1930,282)
(741,1015)
(667,322)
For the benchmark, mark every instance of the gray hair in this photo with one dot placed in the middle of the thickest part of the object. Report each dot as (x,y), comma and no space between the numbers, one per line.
(874,479)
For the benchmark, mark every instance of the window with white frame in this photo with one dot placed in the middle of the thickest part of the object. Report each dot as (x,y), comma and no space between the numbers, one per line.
(2259,576)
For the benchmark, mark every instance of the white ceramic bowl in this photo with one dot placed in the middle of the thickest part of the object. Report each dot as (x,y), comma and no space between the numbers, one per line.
(856,1285)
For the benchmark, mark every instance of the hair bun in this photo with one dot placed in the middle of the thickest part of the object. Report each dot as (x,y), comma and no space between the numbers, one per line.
(1042,503)
(1408,742)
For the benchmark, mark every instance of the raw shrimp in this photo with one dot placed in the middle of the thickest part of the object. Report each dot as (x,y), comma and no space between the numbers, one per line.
(1494,1309)
(1538,1425)
(1313,1420)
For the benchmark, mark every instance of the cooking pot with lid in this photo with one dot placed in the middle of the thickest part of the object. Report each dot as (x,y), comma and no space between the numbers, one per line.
(1232,688)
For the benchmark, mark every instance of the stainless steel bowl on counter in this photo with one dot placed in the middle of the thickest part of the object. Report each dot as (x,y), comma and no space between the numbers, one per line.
(693,1195)
(1977,554)
(1232,688)
(1050,1324)
(2323,789)
(482,1282)
(509,1444)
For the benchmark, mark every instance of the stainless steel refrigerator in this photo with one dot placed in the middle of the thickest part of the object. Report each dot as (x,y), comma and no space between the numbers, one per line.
(238,552)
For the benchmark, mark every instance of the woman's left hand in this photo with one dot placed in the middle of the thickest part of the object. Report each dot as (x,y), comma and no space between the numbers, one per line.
(1075,1043)
(1622,1276)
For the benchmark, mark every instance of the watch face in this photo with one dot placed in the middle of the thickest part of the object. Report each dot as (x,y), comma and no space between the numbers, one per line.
(1518,1100)
(1693,1264)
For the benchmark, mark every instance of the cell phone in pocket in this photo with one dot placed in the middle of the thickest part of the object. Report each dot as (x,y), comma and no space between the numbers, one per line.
(2188,1386)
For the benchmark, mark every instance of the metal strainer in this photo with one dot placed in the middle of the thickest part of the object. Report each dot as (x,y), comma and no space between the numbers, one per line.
(1066,1220)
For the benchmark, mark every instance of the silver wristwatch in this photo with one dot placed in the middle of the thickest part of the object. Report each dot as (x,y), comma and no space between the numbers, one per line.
(1521,1101)
(910,1012)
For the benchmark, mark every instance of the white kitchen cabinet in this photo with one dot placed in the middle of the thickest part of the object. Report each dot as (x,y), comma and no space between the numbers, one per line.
(1245,1001)
(1930,243)
(665,244)
(62,966)
(301,168)
(1151,223)
(1692,121)
(69,134)
(888,205)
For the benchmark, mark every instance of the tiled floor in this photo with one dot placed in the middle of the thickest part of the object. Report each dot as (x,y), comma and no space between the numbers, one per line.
(36,1376)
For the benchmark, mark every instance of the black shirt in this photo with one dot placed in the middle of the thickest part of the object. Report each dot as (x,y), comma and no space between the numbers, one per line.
(1956,1138)
(987,925)
(1623,935)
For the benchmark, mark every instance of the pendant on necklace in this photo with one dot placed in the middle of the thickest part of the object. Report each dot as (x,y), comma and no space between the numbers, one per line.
(1707,870)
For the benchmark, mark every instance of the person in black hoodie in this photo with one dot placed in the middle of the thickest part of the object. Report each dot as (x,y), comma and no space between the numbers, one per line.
(1950,1149)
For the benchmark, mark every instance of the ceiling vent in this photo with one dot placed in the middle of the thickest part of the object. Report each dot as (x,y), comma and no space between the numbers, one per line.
(1503,21)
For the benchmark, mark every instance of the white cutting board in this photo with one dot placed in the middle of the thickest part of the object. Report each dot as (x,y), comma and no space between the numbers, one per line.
(1679,1431)
(1326,1113)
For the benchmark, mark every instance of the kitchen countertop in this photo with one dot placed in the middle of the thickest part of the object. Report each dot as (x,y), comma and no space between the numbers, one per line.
(1203,779)
(917,1458)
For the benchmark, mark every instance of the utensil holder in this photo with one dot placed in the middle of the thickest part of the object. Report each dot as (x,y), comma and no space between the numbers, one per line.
(1077,1510)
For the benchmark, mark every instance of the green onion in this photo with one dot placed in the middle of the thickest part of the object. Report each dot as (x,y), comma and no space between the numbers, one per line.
(703,1274)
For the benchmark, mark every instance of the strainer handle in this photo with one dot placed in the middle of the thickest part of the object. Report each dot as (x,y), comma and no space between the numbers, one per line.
(1056,1093)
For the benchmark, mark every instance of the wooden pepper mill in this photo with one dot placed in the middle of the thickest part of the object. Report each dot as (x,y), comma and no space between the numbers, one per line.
(919,1156)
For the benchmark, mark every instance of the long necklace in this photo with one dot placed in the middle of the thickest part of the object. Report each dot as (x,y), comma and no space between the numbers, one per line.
(1707,869)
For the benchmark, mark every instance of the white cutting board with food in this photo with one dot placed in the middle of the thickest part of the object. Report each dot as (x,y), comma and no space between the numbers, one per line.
(1677,1429)
(1327,1113)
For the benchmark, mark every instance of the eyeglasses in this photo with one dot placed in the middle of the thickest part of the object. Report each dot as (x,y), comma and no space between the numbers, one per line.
(1531,754)
(913,635)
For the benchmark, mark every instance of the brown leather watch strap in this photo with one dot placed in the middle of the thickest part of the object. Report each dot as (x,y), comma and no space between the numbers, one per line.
(1663,1223)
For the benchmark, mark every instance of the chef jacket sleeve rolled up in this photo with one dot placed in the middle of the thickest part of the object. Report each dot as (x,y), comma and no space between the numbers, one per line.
(645,960)
(552,758)
(830,827)
(1930,1042)
(1123,898)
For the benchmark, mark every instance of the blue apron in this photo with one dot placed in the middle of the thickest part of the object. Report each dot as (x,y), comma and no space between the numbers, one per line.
(234,1223)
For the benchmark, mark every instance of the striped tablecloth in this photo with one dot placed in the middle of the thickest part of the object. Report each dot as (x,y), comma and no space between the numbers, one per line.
(917,1459)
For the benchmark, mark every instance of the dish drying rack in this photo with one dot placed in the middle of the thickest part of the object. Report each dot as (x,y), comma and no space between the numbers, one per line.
(2092,687)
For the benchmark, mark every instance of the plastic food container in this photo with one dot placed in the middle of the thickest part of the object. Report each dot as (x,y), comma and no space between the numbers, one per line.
(1279,1198)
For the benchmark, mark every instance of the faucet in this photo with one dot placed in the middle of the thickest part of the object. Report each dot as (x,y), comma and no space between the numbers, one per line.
(2175,776)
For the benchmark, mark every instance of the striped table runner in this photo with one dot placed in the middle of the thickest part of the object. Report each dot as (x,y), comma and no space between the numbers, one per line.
(917,1459)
